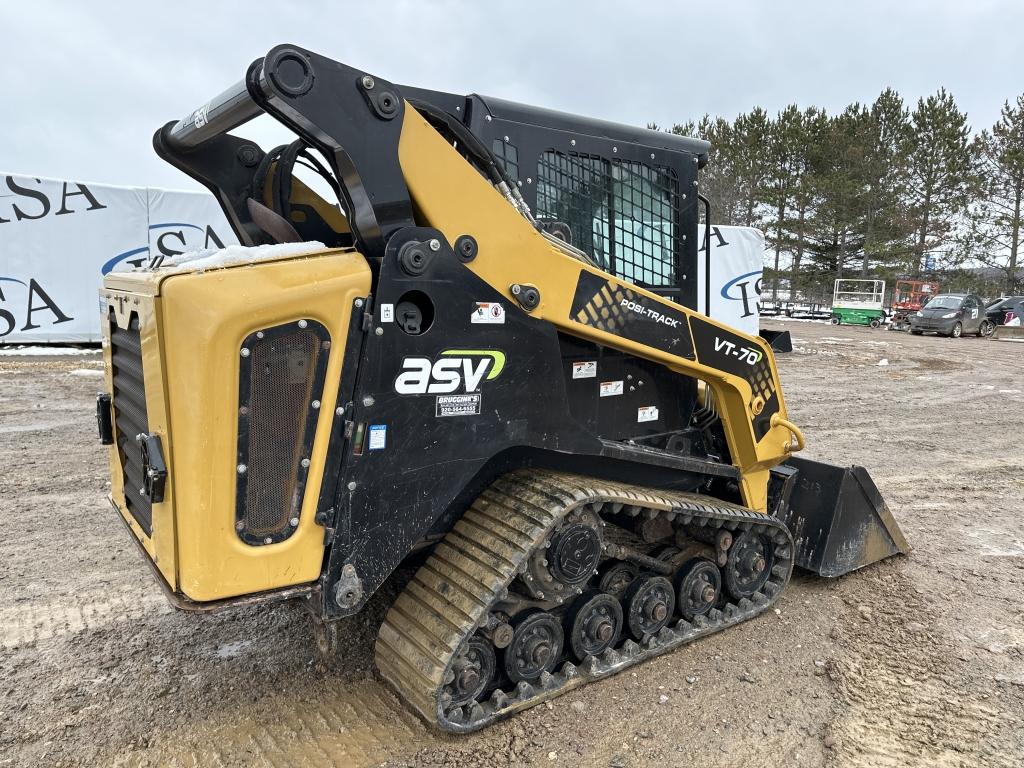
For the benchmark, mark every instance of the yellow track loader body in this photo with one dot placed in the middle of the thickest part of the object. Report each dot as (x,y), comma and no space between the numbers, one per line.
(486,361)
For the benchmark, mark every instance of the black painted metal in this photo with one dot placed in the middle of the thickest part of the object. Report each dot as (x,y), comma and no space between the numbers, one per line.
(838,519)
(131,418)
(410,488)
(104,421)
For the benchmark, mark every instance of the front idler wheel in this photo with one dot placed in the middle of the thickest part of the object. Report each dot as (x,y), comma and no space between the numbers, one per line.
(650,601)
(472,670)
(595,623)
(749,565)
(535,647)
(698,586)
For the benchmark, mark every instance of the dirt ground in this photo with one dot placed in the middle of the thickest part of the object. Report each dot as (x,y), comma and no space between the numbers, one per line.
(918,661)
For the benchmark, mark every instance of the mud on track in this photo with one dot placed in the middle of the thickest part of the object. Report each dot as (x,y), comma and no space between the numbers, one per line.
(915,662)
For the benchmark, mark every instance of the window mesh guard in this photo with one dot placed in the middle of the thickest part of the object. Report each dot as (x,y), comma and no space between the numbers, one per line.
(621,213)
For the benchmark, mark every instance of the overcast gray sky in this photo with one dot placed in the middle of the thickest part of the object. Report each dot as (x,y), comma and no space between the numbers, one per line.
(84,85)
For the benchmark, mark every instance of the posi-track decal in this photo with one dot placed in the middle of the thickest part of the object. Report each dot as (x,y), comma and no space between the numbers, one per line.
(612,307)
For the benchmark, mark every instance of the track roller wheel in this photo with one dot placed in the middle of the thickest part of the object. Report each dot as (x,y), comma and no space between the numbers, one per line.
(698,586)
(473,670)
(650,601)
(595,623)
(535,647)
(616,578)
(749,564)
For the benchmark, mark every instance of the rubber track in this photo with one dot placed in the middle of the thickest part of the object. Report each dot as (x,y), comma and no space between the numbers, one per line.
(473,566)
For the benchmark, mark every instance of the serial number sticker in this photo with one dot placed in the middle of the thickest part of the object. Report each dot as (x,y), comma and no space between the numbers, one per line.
(378,437)
(611,388)
(585,370)
(647,413)
(458,405)
(387,313)
(488,313)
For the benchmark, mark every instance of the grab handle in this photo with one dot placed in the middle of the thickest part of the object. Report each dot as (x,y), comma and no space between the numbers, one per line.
(778,421)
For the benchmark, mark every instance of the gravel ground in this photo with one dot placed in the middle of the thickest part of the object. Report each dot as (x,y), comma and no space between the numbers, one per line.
(917,661)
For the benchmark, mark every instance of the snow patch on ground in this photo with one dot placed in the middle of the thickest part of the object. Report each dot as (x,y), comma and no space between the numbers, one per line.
(235,255)
(86,372)
(17,351)
(809,351)
(230,650)
(784,319)
(883,361)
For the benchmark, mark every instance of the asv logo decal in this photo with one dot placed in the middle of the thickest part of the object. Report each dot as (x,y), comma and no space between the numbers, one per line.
(454,370)
(746,354)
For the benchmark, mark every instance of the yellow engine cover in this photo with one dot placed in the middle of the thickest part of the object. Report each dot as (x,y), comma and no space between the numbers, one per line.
(191,327)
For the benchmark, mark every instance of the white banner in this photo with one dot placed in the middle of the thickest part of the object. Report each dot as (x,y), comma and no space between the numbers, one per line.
(58,239)
(737,261)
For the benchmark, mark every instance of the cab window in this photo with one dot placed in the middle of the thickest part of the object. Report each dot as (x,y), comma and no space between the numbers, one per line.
(620,213)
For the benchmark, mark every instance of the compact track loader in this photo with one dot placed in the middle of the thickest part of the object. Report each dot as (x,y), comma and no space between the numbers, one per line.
(483,360)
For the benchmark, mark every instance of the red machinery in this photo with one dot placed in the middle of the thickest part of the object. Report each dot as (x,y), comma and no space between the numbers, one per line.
(909,297)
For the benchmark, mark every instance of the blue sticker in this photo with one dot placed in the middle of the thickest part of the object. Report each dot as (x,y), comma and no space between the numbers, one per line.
(378,437)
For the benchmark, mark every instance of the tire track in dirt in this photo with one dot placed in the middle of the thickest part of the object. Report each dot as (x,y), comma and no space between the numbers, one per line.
(909,702)
(360,724)
(30,622)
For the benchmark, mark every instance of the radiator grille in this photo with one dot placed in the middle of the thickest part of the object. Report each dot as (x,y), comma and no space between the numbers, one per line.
(281,382)
(623,214)
(130,416)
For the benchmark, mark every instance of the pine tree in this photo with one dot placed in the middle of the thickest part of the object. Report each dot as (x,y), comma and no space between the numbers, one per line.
(815,123)
(751,162)
(719,178)
(940,177)
(786,143)
(999,215)
(840,183)
(887,225)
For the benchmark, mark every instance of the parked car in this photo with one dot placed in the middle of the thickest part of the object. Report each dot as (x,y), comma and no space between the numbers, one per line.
(952,314)
(996,311)
(1014,313)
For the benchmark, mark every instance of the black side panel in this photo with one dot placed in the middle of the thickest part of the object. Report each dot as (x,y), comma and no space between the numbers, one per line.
(435,411)
(130,416)
(617,396)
